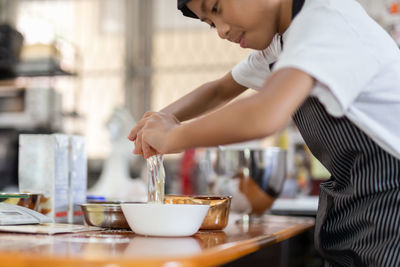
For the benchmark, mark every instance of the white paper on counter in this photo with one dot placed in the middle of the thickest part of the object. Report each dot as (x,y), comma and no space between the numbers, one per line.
(48,228)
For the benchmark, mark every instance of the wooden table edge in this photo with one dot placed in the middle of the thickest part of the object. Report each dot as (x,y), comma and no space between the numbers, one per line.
(211,257)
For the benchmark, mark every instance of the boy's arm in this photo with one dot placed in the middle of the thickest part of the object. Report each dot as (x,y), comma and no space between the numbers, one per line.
(256,116)
(205,98)
(201,100)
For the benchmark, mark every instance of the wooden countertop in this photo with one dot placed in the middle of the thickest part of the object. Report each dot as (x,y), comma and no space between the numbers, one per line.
(114,248)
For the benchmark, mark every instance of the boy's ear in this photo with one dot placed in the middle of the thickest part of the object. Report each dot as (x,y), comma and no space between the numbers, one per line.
(185,10)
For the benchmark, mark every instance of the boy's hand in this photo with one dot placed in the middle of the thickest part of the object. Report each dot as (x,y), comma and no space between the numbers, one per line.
(133,133)
(151,123)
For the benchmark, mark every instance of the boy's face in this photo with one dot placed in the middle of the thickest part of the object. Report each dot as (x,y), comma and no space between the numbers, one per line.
(250,23)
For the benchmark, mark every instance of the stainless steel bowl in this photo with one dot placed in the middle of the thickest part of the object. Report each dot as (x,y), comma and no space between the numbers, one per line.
(27,200)
(105,214)
(261,173)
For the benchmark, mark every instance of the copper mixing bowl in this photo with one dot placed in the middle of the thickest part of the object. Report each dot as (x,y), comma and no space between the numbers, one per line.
(218,213)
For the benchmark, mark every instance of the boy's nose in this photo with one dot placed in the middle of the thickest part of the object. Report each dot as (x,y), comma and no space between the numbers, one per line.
(223,29)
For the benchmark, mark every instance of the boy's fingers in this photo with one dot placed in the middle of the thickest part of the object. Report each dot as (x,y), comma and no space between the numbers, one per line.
(146,150)
(133,133)
(134,148)
(138,144)
(153,152)
(148,114)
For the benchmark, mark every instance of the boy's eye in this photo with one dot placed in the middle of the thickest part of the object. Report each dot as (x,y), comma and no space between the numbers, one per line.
(214,9)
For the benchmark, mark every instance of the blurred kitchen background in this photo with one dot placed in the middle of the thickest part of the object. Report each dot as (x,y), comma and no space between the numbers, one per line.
(93,67)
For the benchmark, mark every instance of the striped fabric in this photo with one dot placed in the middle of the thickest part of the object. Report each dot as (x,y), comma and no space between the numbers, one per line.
(358,220)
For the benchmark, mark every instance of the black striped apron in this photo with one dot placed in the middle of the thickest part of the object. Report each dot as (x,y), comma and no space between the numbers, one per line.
(358,220)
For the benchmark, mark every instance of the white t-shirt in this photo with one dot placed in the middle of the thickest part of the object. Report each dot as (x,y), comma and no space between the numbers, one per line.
(355,62)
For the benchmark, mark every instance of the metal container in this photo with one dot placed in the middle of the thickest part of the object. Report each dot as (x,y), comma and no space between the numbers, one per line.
(27,200)
(105,214)
(261,173)
(218,213)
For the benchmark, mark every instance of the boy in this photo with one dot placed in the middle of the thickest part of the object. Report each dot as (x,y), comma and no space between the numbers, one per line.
(331,68)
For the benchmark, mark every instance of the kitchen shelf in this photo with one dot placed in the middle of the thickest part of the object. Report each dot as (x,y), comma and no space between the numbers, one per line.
(46,73)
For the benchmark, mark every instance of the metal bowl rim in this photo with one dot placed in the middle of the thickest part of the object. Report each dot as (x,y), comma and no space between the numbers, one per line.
(92,207)
(237,149)
(106,206)
(214,197)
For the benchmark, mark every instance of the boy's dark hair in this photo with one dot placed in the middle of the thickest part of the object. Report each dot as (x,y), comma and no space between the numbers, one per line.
(185,10)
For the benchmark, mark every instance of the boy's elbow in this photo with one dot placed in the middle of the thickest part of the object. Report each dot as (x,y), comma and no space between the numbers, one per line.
(262,120)
(272,127)
(262,128)
(272,124)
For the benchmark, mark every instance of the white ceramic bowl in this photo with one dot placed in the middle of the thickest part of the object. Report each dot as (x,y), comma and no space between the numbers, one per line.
(164,219)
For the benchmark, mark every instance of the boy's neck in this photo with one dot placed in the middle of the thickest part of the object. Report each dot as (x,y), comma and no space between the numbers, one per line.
(285,15)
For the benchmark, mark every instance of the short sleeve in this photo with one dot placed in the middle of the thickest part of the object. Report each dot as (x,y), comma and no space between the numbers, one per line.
(323,43)
(251,72)
(254,70)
